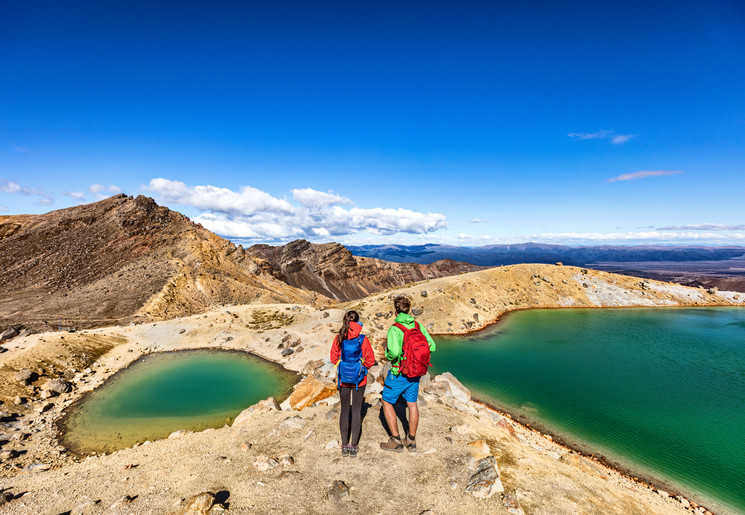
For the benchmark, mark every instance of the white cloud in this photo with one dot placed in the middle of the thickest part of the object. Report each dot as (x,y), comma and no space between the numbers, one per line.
(13,187)
(21,149)
(478,221)
(9,187)
(643,175)
(77,195)
(601,134)
(254,214)
(101,192)
(245,202)
(246,228)
(313,199)
(619,139)
(3,209)
(704,227)
(616,139)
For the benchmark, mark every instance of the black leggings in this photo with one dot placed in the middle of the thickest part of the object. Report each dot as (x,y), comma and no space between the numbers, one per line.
(356,395)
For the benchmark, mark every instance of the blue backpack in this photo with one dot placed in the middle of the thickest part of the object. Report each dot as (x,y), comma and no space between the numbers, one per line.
(350,369)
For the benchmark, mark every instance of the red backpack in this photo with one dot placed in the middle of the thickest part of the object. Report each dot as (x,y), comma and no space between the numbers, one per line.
(415,357)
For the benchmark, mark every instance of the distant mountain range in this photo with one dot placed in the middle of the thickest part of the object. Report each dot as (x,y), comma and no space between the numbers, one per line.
(498,255)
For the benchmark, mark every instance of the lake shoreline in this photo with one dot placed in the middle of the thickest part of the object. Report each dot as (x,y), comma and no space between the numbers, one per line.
(584,449)
(60,423)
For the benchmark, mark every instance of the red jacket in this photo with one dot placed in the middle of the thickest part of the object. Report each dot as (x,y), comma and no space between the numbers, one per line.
(367,352)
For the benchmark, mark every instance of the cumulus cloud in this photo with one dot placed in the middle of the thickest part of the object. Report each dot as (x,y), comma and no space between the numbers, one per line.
(616,139)
(245,202)
(643,175)
(101,192)
(13,187)
(703,227)
(252,214)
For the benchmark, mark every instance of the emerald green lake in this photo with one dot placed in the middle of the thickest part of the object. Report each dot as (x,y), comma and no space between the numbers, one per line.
(164,392)
(658,391)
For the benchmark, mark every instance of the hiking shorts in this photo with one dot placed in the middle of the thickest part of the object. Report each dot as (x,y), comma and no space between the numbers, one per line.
(398,385)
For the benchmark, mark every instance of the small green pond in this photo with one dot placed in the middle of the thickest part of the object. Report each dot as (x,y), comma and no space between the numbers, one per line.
(164,392)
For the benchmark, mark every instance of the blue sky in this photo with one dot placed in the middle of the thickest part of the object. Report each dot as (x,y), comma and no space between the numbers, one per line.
(402,122)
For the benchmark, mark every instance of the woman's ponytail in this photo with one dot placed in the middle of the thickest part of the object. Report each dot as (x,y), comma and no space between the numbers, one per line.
(349,316)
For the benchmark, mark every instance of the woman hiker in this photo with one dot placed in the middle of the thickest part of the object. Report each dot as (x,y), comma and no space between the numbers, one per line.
(354,355)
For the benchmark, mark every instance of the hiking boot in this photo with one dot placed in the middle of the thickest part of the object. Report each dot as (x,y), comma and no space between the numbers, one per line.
(353,450)
(393,444)
(345,450)
(410,443)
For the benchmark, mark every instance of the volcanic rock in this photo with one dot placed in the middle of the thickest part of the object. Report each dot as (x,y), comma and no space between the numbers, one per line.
(459,392)
(332,270)
(24,376)
(265,405)
(311,390)
(57,385)
(338,491)
(124,259)
(485,481)
(8,334)
(199,504)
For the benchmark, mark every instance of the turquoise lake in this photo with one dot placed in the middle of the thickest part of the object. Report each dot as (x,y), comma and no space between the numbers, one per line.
(164,392)
(659,391)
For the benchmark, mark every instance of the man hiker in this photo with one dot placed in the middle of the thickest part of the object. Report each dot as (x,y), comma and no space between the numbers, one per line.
(406,369)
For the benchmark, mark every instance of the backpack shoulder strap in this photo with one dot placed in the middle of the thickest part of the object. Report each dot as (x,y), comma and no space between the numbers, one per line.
(403,329)
(416,326)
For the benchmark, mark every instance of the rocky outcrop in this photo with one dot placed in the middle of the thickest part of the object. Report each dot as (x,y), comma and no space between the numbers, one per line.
(57,385)
(8,334)
(331,269)
(265,405)
(200,504)
(311,390)
(123,259)
(485,481)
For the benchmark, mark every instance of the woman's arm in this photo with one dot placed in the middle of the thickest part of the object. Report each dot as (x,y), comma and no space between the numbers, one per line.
(335,351)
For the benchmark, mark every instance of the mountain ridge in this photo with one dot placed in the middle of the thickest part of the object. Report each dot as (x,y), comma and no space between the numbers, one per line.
(124,259)
(331,269)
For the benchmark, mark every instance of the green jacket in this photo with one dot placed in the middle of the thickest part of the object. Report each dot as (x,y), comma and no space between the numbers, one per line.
(396,340)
